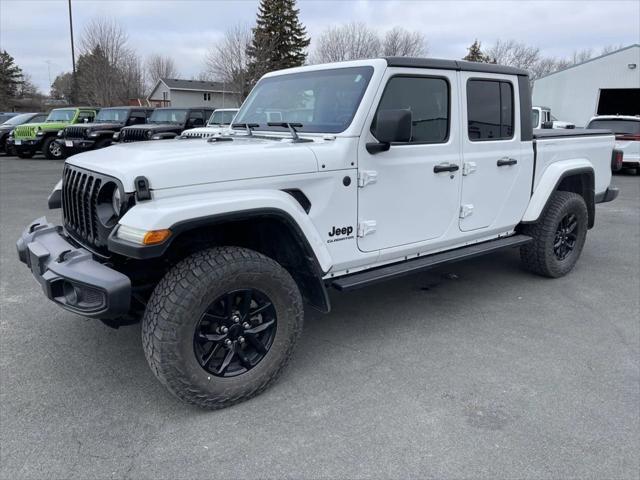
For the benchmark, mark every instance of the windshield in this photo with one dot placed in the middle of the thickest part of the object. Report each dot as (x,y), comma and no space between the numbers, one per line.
(222,117)
(627,127)
(118,115)
(535,117)
(168,116)
(323,101)
(19,119)
(61,115)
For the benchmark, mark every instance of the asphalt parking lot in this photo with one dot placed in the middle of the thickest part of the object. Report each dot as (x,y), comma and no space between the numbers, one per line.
(477,370)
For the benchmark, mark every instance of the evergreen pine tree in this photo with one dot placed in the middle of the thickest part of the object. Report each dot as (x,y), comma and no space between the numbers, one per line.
(279,39)
(475,54)
(10,79)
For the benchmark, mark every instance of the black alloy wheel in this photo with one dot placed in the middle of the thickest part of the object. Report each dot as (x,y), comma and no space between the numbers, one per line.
(235,332)
(566,237)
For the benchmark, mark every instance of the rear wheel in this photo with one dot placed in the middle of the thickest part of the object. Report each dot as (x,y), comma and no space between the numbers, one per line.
(52,149)
(221,325)
(558,236)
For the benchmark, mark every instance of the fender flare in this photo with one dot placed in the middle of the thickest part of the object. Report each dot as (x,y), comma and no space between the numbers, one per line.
(180,214)
(549,182)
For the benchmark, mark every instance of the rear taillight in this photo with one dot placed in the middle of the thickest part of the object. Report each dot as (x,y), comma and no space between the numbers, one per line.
(616,160)
(635,138)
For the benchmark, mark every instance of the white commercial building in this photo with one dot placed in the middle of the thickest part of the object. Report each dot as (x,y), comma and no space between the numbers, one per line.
(605,85)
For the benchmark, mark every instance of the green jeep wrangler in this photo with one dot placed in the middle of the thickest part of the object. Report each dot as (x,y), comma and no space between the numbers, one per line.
(29,138)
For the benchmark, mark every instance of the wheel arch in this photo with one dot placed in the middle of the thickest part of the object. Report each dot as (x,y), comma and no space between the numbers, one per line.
(274,225)
(577,178)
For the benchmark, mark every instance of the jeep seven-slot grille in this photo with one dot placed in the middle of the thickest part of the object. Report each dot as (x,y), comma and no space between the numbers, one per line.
(80,197)
(74,132)
(25,131)
(133,134)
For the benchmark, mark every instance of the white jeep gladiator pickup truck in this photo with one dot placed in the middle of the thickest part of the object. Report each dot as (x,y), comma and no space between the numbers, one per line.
(375,169)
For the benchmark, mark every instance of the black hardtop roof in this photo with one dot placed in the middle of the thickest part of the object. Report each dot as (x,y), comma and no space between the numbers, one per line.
(459,65)
(129,107)
(185,108)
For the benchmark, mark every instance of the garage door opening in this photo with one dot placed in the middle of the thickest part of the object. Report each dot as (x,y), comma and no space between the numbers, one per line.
(619,101)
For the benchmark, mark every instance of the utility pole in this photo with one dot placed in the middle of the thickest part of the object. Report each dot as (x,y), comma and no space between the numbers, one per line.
(73,55)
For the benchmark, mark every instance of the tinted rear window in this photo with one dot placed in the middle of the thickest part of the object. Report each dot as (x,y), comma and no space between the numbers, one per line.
(631,127)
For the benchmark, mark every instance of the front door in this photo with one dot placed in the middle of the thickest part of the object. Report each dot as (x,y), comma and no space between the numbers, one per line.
(496,181)
(410,193)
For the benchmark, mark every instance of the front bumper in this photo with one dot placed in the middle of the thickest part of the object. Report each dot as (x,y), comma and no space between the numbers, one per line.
(70,276)
(26,144)
(75,144)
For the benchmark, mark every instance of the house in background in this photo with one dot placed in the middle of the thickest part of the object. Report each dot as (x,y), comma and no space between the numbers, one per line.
(605,85)
(173,92)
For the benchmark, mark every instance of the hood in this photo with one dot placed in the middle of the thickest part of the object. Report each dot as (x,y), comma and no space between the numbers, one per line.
(99,126)
(204,132)
(178,163)
(156,127)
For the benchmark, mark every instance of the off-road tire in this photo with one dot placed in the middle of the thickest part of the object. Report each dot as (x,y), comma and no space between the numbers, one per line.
(25,154)
(538,256)
(181,298)
(47,146)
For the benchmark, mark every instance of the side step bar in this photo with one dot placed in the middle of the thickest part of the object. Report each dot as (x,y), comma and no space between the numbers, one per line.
(369,277)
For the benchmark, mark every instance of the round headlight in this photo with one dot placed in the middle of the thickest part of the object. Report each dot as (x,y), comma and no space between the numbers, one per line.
(116,135)
(149,133)
(106,205)
(116,201)
(87,131)
(60,133)
(11,133)
(40,133)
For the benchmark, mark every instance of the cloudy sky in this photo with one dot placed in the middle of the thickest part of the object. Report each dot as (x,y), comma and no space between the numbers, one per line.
(36,32)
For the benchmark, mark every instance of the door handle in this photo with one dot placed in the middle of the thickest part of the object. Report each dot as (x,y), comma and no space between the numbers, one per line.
(445,167)
(507,161)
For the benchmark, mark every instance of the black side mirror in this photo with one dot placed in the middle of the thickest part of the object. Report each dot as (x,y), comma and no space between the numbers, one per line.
(548,124)
(391,126)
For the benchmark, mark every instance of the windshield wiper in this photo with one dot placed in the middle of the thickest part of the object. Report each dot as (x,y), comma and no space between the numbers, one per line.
(247,126)
(292,128)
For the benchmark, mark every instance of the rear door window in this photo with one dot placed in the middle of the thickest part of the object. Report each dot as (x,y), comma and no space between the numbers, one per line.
(489,110)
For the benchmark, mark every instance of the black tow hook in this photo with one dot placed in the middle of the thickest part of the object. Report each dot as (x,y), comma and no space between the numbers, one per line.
(61,258)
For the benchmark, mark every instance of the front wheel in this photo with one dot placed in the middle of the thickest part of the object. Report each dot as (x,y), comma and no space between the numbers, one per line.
(558,236)
(221,325)
(52,149)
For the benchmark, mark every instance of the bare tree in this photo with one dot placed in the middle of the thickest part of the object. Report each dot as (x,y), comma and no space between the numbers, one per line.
(399,42)
(347,42)
(159,66)
(514,54)
(108,72)
(227,61)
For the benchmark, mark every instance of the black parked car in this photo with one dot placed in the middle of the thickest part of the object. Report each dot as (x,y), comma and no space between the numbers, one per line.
(100,133)
(13,122)
(166,123)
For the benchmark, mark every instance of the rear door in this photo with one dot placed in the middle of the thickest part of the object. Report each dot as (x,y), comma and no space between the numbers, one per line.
(496,181)
(407,194)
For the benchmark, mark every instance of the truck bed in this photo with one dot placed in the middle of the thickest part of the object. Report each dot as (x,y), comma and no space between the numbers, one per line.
(569,146)
(539,133)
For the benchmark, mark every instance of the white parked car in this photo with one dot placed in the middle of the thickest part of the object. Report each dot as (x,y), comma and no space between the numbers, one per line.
(403,164)
(541,118)
(627,131)
(219,122)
